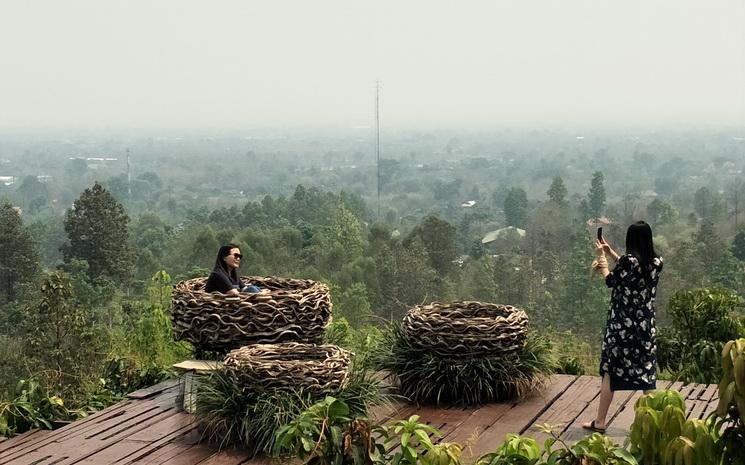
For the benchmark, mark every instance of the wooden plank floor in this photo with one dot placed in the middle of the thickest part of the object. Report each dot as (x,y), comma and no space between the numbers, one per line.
(148,428)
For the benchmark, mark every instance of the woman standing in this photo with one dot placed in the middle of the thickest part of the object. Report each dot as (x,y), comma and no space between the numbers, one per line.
(628,361)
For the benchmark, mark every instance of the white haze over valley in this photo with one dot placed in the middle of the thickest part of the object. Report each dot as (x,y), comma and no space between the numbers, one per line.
(248,64)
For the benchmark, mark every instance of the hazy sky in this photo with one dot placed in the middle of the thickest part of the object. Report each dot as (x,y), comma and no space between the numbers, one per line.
(150,63)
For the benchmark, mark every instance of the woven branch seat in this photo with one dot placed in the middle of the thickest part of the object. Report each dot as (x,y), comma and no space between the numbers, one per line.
(319,369)
(293,310)
(467,327)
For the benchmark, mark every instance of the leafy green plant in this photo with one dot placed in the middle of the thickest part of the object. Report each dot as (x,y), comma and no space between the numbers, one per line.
(515,450)
(430,377)
(661,434)
(659,419)
(410,443)
(731,407)
(326,434)
(596,449)
(31,408)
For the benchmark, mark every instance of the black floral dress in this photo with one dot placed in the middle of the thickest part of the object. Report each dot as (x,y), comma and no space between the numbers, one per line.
(629,342)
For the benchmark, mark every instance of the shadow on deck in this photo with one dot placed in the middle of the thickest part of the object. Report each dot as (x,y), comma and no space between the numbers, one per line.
(148,428)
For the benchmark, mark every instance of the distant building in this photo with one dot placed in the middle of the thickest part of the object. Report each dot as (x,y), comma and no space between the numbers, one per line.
(18,210)
(7,180)
(492,236)
(468,203)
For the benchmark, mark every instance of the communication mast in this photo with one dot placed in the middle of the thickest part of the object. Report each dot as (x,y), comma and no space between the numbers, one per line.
(377,138)
(129,177)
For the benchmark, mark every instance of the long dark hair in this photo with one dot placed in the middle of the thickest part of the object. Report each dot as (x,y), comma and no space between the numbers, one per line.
(220,265)
(639,244)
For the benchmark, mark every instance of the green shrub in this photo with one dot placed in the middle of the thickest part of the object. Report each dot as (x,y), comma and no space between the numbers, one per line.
(364,342)
(702,321)
(570,365)
(143,351)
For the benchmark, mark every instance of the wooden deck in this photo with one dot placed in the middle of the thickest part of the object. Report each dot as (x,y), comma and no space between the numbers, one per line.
(148,428)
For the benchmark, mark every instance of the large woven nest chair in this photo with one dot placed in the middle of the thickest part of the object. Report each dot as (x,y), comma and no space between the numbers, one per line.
(467,327)
(465,352)
(295,310)
(319,369)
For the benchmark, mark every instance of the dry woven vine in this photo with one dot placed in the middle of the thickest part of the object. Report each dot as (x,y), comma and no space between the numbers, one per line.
(316,368)
(294,310)
(467,327)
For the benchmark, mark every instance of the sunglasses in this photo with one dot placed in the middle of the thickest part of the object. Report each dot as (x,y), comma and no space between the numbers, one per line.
(237,255)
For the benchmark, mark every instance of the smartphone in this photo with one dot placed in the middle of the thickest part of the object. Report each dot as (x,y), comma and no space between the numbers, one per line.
(600,234)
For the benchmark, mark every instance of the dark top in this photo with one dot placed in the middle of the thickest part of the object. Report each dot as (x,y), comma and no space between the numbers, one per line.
(629,343)
(219,281)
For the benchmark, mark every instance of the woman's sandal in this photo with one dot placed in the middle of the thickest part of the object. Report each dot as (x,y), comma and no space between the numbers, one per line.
(592,427)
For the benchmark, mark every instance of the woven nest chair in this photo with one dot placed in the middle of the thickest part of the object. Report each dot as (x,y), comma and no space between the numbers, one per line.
(465,327)
(295,310)
(320,369)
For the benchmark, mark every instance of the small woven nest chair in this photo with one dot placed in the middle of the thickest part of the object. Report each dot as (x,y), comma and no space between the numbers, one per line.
(320,369)
(295,310)
(467,328)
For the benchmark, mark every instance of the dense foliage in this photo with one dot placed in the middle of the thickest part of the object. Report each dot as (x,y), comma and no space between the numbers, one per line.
(702,321)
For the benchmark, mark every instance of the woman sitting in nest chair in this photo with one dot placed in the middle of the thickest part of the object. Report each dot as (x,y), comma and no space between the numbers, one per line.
(224,277)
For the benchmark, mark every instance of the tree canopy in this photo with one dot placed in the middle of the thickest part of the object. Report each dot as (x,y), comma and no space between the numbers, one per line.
(96,227)
(19,257)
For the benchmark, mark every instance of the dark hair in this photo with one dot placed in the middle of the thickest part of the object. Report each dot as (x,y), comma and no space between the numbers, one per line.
(639,244)
(223,252)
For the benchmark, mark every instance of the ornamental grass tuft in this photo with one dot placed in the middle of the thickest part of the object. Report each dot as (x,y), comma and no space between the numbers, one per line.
(233,414)
(431,376)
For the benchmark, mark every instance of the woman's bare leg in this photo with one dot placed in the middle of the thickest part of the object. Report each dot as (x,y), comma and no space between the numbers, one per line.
(606,397)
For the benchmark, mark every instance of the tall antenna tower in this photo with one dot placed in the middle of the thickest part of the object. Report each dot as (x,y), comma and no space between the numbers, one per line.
(129,177)
(377,137)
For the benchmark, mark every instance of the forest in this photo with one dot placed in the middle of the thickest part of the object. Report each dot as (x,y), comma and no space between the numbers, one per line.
(95,231)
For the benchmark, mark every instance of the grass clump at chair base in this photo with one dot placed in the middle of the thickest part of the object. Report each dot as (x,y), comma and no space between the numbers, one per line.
(465,353)
(233,412)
